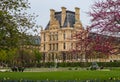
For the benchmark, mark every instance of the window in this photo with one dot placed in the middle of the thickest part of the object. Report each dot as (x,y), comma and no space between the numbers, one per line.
(64,46)
(64,35)
(53,37)
(53,46)
(71,45)
(49,46)
(56,36)
(71,34)
(50,36)
(57,46)
(44,46)
(44,37)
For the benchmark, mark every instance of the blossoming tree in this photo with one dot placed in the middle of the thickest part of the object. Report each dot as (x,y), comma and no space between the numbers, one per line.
(106,15)
(106,19)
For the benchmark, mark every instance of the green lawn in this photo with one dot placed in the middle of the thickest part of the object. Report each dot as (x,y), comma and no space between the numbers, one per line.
(61,75)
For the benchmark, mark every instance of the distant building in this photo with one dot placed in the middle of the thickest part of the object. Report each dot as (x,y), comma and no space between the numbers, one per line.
(33,43)
(115,53)
(56,37)
(35,40)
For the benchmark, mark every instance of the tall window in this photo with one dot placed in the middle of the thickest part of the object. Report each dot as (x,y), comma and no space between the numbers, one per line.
(71,45)
(50,36)
(64,35)
(44,37)
(57,46)
(53,46)
(49,46)
(53,37)
(56,36)
(64,46)
(71,34)
(44,46)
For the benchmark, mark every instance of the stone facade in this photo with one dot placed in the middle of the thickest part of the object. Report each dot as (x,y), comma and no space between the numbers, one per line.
(56,37)
(57,41)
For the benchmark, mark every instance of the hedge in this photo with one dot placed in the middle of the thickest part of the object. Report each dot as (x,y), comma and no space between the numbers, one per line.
(72,64)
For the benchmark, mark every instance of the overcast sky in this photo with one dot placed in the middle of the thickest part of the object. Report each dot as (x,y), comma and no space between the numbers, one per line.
(42,8)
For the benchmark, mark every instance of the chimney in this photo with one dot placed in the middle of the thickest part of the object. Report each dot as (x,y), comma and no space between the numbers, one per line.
(63,15)
(52,14)
(77,14)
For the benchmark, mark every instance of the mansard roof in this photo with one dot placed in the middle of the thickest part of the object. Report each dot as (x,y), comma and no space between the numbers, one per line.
(70,18)
(116,38)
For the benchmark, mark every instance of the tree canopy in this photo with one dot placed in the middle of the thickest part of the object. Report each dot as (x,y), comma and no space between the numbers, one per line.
(106,15)
(14,22)
(106,19)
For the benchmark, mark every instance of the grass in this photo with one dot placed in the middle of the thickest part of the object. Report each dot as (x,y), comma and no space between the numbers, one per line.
(62,75)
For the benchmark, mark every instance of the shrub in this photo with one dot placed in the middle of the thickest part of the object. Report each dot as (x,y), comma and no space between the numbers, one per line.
(17,69)
(72,64)
(69,68)
(76,68)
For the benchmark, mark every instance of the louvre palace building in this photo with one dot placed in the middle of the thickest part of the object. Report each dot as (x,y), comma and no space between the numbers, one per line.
(56,39)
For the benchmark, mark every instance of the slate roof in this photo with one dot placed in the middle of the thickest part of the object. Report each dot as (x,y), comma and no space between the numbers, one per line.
(70,18)
(93,35)
(35,40)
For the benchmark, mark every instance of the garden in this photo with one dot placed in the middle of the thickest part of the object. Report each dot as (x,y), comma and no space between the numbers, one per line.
(62,74)
(21,60)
